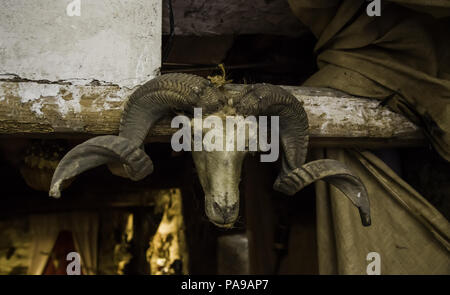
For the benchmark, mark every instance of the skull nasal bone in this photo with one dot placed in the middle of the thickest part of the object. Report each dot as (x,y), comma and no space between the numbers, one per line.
(227,214)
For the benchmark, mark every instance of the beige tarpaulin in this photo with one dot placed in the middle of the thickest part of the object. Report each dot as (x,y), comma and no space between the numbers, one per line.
(408,233)
(403,59)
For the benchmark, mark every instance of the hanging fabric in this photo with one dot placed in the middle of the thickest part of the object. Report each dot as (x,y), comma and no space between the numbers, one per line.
(45,229)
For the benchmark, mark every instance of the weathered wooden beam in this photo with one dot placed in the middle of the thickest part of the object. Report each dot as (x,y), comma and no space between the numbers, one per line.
(59,111)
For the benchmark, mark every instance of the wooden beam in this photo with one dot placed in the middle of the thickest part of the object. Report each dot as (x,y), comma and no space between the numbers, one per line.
(62,111)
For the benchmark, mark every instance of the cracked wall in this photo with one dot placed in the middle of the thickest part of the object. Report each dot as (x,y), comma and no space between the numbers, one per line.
(111,41)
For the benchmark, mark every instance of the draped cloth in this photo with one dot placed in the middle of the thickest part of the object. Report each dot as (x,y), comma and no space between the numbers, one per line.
(45,228)
(401,58)
(408,233)
(44,231)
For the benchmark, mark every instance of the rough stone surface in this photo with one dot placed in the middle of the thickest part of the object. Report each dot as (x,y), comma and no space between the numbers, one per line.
(232,17)
(112,41)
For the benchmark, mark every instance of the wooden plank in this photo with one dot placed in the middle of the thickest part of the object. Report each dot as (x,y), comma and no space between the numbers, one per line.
(280,229)
(60,111)
(339,119)
(260,217)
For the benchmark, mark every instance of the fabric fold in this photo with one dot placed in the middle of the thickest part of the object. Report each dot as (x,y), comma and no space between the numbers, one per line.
(409,234)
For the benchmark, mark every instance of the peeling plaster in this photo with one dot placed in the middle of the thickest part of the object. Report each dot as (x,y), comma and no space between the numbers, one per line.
(38,95)
(71,108)
(2,94)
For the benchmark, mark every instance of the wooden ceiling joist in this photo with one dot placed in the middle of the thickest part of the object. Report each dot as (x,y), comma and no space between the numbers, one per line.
(60,111)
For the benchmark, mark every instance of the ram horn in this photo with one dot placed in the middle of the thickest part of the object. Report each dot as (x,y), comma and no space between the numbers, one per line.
(98,151)
(145,106)
(270,100)
(160,96)
(333,172)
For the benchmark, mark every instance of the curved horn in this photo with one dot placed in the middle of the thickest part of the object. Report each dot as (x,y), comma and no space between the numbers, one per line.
(142,110)
(333,172)
(159,96)
(270,100)
(262,99)
(98,151)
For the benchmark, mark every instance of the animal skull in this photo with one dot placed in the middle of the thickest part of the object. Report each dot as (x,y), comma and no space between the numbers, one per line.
(219,171)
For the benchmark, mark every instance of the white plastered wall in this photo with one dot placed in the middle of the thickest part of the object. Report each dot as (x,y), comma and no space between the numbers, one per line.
(111,41)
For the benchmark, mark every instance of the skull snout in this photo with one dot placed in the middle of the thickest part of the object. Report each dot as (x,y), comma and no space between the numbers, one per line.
(222,214)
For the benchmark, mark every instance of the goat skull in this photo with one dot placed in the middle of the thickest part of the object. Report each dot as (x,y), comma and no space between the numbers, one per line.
(219,171)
